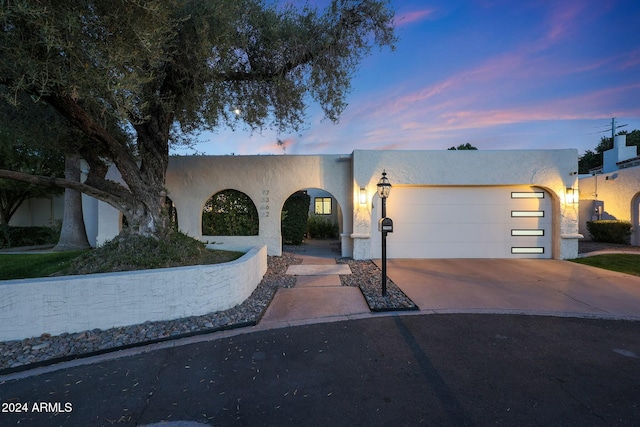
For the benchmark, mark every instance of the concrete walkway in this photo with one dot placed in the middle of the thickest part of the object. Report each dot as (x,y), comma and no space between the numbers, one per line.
(318,293)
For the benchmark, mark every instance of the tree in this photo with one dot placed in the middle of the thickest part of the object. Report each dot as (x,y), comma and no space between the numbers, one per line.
(162,69)
(22,149)
(73,234)
(466,146)
(590,160)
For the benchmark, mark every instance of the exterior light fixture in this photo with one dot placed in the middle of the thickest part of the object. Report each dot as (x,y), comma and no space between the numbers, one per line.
(385,225)
(363,196)
(384,188)
(571,196)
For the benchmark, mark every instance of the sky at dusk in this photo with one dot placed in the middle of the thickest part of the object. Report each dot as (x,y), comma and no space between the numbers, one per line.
(498,74)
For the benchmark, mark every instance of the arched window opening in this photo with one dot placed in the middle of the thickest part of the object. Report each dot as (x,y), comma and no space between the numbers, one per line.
(230,213)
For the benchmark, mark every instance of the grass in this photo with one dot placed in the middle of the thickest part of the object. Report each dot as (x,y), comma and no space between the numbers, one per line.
(26,266)
(124,253)
(622,263)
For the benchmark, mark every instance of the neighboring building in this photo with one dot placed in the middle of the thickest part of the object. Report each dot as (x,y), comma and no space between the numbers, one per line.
(613,190)
(444,204)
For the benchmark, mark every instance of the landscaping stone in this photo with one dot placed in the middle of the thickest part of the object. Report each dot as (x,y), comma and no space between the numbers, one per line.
(14,354)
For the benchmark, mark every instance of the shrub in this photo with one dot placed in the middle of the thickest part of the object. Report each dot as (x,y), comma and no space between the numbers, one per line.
(610,231)
(230,213)
(11,237)
(319,227)
(134,252)
(294,222)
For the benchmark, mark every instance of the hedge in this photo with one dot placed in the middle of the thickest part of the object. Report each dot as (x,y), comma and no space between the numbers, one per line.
(11,237)
(610,231)
(294,218)
(321,228)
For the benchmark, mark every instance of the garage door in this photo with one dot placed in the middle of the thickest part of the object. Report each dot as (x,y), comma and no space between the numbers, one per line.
(466,222)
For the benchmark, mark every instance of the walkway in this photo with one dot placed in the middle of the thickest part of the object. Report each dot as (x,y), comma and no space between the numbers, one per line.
(318,293)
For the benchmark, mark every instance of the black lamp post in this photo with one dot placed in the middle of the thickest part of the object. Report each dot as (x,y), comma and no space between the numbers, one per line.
(384,188)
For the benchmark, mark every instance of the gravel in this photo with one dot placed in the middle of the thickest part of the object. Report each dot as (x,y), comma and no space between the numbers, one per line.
(47,349)
(368,277)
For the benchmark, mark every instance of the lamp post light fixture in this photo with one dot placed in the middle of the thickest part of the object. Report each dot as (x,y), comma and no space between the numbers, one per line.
(384,189)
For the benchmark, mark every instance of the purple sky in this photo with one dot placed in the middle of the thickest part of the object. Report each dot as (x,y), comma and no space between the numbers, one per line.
(498,74)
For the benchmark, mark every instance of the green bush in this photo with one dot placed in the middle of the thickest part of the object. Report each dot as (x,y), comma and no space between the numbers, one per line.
(610,231)
(319,227)
(11,237)
(294,218)
(230,213)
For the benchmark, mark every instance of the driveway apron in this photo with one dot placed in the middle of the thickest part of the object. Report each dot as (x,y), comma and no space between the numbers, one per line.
(516,285)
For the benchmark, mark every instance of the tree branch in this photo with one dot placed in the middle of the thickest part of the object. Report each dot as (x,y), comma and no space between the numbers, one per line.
(48,181)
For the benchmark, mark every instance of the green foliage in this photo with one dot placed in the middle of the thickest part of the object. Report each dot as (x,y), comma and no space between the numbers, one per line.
(230,213)
(25,266)
(319,227)
(163,70)
(175,67)
(11,237)
(610,231)
(623,263)
(135,252)
(466,146)
(590,160)
(28,143)
(294,224)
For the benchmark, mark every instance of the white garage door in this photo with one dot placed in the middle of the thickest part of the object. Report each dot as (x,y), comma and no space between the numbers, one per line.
(466,222)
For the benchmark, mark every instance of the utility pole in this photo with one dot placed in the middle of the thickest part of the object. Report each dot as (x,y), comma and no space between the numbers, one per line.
(614,127)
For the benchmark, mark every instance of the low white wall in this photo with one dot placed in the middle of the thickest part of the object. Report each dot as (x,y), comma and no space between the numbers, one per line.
(31,307)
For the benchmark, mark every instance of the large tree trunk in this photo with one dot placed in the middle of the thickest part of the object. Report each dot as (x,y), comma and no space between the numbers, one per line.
(73,235)
(148,214)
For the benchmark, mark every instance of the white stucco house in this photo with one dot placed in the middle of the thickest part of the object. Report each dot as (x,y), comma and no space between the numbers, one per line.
(444,204)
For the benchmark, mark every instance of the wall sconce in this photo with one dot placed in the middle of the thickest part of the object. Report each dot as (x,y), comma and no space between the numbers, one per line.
(571,196)
(363,196)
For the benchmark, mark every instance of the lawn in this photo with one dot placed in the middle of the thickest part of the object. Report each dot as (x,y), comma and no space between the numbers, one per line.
(623,263)
(25,266)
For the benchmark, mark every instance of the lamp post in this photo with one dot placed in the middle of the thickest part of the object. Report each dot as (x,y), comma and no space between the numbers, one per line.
(384,188)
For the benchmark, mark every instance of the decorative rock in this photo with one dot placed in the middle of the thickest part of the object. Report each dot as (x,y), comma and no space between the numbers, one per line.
(14,354)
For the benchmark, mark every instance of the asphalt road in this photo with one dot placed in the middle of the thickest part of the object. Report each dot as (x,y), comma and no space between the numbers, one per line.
(432,370)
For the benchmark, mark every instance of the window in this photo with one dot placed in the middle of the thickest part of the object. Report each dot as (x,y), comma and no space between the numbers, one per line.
(527,250)
(526,214)
(527,195)
(527,232)
(322,205)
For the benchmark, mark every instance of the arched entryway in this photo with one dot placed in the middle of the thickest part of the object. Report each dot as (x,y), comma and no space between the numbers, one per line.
(312,221)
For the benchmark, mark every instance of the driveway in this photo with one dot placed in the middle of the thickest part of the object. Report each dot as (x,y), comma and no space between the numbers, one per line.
(516,286)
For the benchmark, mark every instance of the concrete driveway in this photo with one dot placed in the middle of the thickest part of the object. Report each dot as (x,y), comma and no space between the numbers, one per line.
(516,286)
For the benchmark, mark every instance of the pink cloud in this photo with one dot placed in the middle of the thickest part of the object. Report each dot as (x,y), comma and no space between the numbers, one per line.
(413,17)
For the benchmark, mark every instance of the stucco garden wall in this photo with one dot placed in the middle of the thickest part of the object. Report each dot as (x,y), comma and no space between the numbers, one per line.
(619,194)
(31,307)
(553,170)
(267,180)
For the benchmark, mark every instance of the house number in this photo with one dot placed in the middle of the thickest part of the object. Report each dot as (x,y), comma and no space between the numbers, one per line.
(264,207)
